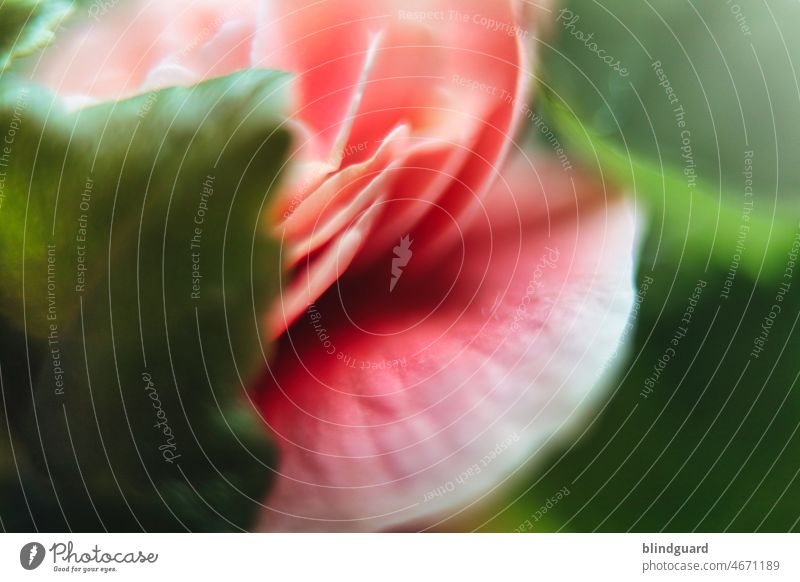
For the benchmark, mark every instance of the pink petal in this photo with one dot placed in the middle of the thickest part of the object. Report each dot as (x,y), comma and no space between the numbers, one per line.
(389,408)
(139,46)
(453,83)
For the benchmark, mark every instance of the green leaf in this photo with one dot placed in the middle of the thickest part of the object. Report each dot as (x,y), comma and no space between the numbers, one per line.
(27,25)
(705,113)
(691,212)
(135,254)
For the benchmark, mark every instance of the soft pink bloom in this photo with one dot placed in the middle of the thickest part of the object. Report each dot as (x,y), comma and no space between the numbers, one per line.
(446,311)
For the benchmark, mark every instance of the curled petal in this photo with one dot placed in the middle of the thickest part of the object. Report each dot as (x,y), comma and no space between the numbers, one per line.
(396,403)
(408,107)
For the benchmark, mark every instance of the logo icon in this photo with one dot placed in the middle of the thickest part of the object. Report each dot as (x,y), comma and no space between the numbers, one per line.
(402,255)
(31,555)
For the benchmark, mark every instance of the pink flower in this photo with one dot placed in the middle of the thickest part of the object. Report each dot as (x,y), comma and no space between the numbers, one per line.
(446,313)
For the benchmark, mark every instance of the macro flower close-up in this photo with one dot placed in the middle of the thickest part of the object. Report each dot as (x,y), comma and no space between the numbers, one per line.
(450,294)
(374,266)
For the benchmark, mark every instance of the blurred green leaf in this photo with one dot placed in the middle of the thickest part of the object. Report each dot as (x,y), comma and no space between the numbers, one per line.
(135,257)
(693,217)
(699,88)
(27,25)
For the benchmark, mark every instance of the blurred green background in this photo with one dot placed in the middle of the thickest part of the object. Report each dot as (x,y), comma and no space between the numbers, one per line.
(715,445)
